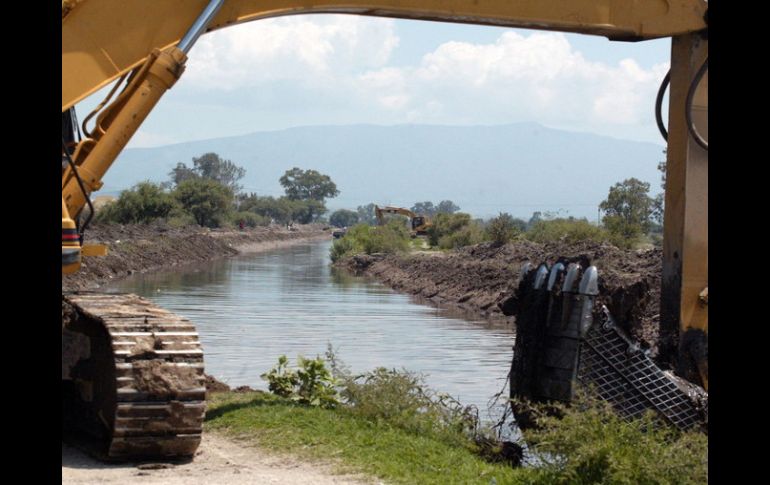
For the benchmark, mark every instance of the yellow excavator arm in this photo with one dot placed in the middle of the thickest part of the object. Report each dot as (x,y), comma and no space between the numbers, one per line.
(104,39)
(419,224)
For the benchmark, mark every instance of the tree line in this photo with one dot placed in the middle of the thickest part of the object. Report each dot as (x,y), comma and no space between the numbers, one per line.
(208,193)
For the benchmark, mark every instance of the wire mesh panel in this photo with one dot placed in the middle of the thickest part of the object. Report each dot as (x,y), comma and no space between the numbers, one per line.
(611,363)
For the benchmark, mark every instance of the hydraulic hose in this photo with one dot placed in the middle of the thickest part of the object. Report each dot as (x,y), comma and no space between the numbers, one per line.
(82,188)
(659,105)
(688,105)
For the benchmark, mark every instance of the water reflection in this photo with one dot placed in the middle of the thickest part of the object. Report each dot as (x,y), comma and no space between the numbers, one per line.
(251,309)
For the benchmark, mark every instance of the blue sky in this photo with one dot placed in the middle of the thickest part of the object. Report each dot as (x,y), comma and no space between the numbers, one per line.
(337,69)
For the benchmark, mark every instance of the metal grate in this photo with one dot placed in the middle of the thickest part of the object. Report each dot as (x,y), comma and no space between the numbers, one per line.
(629,379)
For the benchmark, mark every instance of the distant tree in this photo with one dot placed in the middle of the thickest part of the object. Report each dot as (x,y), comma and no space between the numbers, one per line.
(307,211)
(308,185)
(628,209)
(366,214)
(658,204)
(447,207)
(343,218)
(208,201)
(212,167)
(424,208)
(182,172)
(537,216)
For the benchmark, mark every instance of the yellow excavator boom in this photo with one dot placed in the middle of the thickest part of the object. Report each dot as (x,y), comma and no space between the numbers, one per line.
(104,39)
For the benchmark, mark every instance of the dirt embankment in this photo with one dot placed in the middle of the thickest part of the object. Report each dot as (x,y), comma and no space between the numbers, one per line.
(143,248)
(483,279)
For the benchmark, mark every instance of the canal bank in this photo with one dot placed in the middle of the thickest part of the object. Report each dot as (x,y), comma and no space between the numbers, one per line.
(140,248)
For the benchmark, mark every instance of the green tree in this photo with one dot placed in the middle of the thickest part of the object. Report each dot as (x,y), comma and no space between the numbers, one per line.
(181,172)
(366,214)
(307,211)
(447,207)
(628,209)
(212,167)
(208,201)
(308,185)
(143,203)
(424,208)
(343,218)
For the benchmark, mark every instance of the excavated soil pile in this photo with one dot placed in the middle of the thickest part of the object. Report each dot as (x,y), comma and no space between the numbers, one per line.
(142,248)
(483,279)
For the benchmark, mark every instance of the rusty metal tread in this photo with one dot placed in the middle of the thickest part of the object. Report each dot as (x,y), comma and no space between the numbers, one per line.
(160,389)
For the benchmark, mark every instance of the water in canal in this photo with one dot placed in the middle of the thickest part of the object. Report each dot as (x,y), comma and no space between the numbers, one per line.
(253,308)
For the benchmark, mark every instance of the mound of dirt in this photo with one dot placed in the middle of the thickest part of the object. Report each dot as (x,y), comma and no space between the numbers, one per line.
(483,279)
(215,385)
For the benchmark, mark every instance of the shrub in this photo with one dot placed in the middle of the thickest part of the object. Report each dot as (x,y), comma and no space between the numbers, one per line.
(311,383)
(591,443)
(143,203)
(249,219)
(343,247)
(445,225)
(361,238)
(566,230)
(400,398)
(465,236)
(502,229)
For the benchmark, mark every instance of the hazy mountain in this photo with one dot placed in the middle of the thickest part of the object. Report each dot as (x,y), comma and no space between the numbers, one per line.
(517,168)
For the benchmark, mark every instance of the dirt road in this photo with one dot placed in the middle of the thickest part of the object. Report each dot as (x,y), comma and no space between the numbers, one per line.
(218,461)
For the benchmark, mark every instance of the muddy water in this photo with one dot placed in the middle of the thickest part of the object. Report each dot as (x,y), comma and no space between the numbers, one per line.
(251,309)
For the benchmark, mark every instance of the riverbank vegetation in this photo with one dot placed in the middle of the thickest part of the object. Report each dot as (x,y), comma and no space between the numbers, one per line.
(208,194)
(388,424)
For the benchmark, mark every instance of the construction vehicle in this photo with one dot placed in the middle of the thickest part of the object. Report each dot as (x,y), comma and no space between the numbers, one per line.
(135,369)
(418,224)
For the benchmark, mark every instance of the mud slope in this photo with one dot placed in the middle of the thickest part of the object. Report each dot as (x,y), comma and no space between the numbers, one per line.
(483,279)
(142,248)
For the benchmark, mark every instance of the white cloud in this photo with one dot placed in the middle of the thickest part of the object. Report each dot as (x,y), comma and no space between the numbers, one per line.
(538,77)
(338,69)
(312,49)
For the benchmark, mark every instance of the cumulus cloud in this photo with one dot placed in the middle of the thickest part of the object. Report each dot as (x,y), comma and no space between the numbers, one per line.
(314,49)
(338,69)
(535,77)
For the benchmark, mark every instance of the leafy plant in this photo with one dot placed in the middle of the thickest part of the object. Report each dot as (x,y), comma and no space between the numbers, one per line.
(311,383)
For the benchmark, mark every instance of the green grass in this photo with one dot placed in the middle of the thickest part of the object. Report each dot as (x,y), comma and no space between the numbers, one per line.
(354,444)
(590,445)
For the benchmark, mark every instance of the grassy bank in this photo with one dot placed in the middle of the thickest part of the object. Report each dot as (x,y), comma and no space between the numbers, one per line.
(590,445)
(354,443)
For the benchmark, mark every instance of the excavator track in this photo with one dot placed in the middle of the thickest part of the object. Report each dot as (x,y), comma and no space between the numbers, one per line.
(139,376)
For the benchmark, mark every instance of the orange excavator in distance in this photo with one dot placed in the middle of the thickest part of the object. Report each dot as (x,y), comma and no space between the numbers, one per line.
(132,373)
